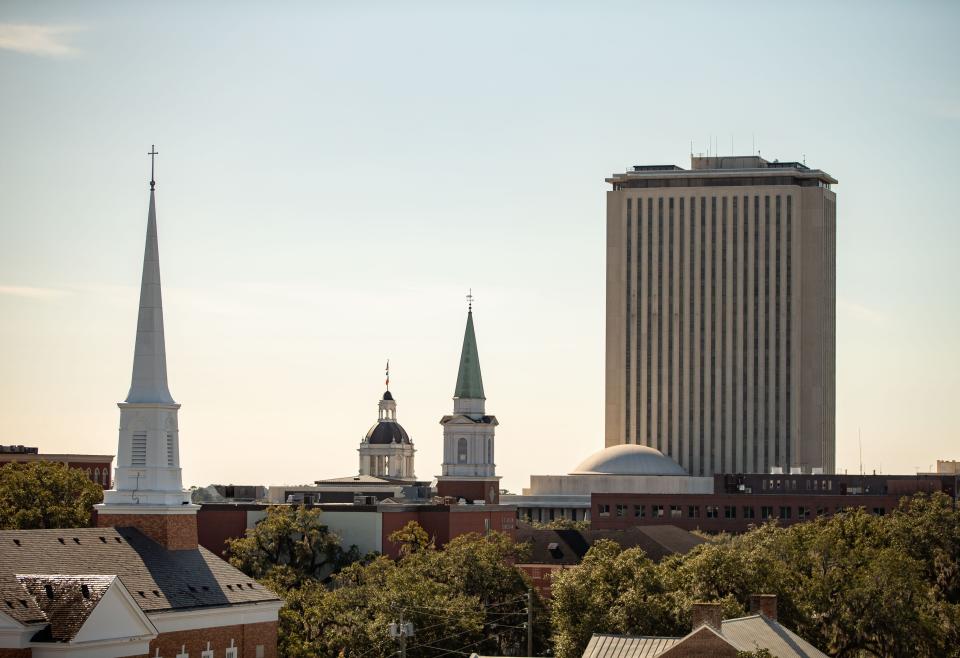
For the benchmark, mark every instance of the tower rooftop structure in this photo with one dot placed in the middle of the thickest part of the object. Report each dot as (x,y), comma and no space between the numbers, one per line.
(724,171)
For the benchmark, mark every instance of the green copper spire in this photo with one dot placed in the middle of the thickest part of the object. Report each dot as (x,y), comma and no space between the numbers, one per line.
(469,381)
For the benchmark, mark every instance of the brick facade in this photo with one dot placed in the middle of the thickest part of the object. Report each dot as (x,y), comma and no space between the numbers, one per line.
(485,490)
(15,653)
(176,532)
(702,644)
(245,637)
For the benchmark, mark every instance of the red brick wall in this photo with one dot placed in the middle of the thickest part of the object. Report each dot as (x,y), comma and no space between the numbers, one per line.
(702,644)
(245,637)
(443,525)
(829,503)
(541,575)
(176,532)
(216,526)
(470,489)
(15,653)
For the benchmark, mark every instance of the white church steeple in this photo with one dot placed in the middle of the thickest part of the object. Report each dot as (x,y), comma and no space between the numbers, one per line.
(148,478)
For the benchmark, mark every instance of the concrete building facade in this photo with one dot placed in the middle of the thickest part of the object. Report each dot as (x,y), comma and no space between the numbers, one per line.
(721,314)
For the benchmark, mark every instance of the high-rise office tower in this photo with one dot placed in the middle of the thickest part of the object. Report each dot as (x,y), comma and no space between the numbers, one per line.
(721,314)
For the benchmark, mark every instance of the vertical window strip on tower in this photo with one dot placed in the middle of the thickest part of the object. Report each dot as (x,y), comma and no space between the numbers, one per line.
(639,416)
(681,436)
(744,378)
(789,349)
(724,370)
(691,331)
(766,333)
(670,437)
(629,303)
(659,437)
(756,337)
(713,335)
(778,415)
(737,436)
(649,314)
(703,274)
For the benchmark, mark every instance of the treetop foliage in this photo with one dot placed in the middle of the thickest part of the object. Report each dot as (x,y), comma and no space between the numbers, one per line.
(46,495)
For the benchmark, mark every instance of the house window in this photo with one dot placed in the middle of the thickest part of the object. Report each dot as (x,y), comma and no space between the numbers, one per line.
(713,511)
(675,512)
(639,511)
(749,512)
(693,511)
(207,654)
(621,509)
(260,651)
(879,511)
(821,511)
(803,513)
(603,510)
(766,512)
(729,511)
(461,451)
(785,512)
(183,652)
(231,652)
(657,511)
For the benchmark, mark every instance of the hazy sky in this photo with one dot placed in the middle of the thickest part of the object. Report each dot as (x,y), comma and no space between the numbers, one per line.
(333,177)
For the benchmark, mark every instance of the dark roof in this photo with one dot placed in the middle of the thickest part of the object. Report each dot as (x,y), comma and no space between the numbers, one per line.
(66,601)
(387,396)
(387,431)
(569,546)
(156,578)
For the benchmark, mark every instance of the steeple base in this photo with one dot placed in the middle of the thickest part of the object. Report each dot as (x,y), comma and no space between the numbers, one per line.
(173,527)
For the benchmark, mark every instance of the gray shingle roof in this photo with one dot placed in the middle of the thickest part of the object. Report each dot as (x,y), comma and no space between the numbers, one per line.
(626,646)
(156,578)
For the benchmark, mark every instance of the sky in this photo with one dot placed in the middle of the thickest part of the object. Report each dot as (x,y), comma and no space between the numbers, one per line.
(334,177)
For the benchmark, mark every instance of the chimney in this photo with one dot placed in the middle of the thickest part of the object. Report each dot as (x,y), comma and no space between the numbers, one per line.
(764,604)
(706,613)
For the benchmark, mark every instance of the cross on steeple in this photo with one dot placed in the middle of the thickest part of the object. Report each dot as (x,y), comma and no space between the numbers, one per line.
(152,153)
(470,299)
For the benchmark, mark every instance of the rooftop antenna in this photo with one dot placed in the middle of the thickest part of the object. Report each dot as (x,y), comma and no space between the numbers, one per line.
(860,442)
(804,159)
(152,154)
(470,299)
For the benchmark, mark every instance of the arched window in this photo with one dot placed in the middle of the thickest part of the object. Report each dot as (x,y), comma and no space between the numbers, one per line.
(461,451)
(489,451)
(89,473)
(96,475)
(106,477)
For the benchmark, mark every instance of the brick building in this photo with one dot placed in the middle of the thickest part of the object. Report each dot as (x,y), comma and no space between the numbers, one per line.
(741,501)
(366,526)
(96,467)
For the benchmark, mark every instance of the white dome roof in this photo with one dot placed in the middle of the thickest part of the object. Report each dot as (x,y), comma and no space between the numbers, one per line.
(628,459)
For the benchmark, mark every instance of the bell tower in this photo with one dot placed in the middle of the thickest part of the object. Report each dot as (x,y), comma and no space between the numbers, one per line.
(148,492)
(469,470)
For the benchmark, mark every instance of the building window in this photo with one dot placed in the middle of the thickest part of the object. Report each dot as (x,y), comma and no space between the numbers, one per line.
(208,653)
(260,651)
(639,511)
(621,510)
(749,512)
(729,511)
(713,511)
(183,652)
(879,511)
(169,448)
(656,511)
(603,510)
(766,513)
(785,511)
(461,451)
(803,513)
(821,511)
(231,652)
(693,511)
(676,512)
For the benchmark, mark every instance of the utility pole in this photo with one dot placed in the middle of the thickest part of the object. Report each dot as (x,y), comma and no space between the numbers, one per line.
(530,622)
(401,632)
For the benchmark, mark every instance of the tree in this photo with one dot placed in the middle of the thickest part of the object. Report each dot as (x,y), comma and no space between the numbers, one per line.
(46,495)
(295,539)
(412,538)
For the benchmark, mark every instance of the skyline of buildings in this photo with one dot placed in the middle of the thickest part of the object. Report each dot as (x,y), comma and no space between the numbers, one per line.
(721,314)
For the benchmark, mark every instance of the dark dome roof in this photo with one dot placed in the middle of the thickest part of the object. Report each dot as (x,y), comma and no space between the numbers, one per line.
(386,432)
(387,396)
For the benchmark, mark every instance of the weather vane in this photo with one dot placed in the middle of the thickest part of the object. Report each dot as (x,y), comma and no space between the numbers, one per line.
(388,374)
(470,299)
(152,153)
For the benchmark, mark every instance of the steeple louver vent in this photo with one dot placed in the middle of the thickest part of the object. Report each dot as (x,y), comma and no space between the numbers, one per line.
(138,454)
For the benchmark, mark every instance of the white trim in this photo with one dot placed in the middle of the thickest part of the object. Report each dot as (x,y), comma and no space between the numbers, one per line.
(116,508)
(18,637)
(133,646)
(230,615)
